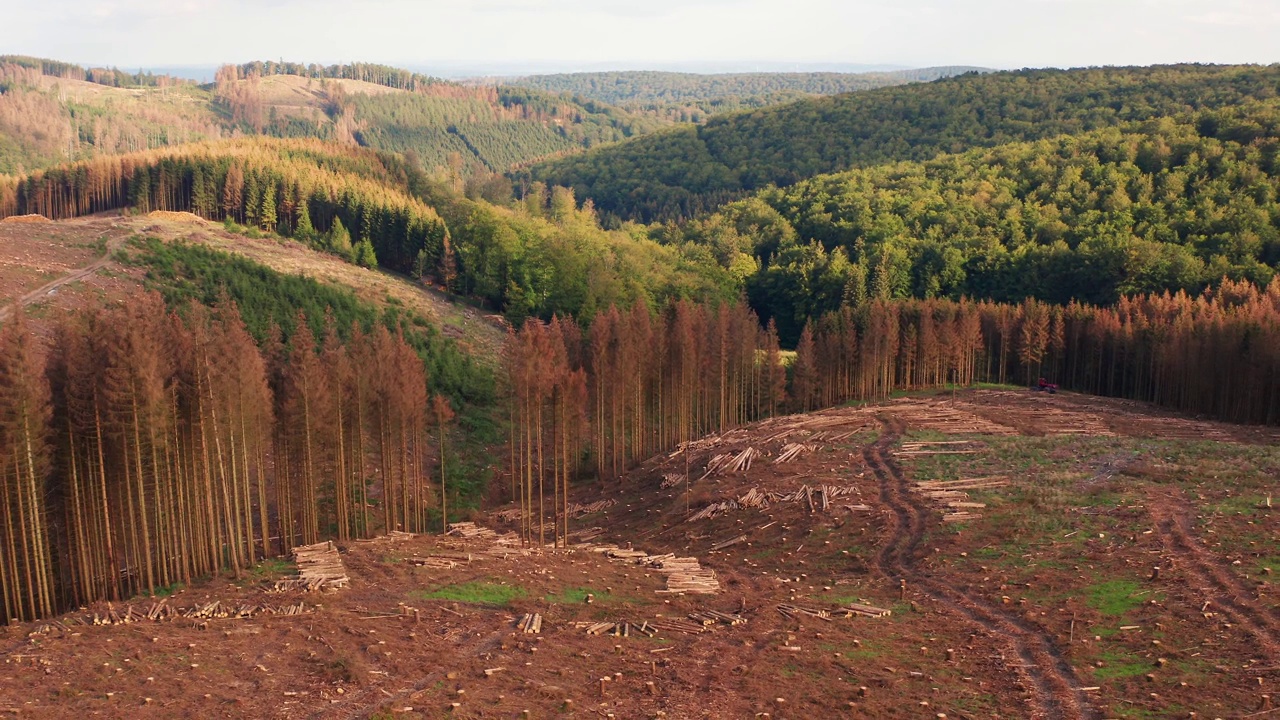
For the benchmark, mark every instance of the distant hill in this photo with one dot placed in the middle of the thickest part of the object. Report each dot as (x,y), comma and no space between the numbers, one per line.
(52,112)
(688,170)
(1163,205)
(694,97)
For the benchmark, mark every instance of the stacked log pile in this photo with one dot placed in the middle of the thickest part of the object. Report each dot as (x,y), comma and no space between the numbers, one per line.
(727,463)
(319,568)
(531,623)
(791,612)
(471,531)
(791,451)
(513,514)
(670,480)
(952,496)
(164,611)
(947,417)
(939,447)
(683,575)
(578,509)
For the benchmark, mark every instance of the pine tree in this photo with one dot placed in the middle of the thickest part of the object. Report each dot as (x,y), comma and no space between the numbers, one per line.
(443,413)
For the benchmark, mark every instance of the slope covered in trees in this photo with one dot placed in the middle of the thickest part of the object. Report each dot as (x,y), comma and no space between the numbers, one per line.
(693,97)
(488,128)
(542,256)
(1163,205)
(685,171)
(52,112)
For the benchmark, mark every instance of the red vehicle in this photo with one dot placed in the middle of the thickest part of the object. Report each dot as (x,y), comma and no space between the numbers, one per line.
(1045,386)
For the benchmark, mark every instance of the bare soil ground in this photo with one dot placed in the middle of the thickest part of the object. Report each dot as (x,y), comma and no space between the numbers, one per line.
(69,263)
(1122,570)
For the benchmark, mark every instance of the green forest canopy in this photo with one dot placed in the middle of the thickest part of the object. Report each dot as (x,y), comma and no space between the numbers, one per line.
(693,97)
(685,171)
(1162,205)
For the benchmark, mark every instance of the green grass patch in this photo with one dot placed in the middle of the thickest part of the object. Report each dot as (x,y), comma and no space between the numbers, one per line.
(1114,597)
(1117,666)
(578,596)
(273,567)
(165,591)
(479,593)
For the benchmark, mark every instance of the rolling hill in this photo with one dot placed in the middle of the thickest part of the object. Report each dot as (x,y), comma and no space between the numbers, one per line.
(538,257)
(685,171)
(693,97)
(1164,205)
(51,112)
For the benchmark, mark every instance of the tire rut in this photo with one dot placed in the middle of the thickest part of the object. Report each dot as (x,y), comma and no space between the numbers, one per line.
(1205,573)
(1055,691)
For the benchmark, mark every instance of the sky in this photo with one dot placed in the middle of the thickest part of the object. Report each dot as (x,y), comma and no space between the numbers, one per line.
(512,36)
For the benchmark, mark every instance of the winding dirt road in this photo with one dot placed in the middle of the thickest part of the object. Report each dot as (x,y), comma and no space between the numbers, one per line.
(1055,692)
(23,300)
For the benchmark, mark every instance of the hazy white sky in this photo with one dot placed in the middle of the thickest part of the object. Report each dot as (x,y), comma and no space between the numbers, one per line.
(646,33)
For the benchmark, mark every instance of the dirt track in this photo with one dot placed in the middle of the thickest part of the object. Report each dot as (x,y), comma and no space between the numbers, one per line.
(1055,693)
(1209,579)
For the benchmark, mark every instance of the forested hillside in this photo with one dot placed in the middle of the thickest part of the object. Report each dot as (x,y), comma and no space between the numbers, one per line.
(1163,205)
(541,256)
(52,112)
(487,128)
(685,171)
(693,97)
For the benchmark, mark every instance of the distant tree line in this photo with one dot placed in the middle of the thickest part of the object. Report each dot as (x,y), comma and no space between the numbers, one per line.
(695,97)
(111,77)
(542,256)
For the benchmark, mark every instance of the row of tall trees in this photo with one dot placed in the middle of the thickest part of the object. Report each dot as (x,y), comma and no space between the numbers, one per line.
(297,188)
(1217,354)
(635,383)
(142,448)
(631,385)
